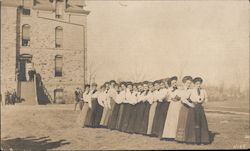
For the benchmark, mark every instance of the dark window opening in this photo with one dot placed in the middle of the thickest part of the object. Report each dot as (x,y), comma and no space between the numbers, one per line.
(26,12)
(58,66)
(59,37)
(26,35)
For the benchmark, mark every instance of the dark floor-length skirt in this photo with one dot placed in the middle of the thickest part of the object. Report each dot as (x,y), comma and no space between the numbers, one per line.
(98,115)
(139,117)
(91,114)
(132,118)
(144,126)
(160,118)
(182,123)
(124,118)
(114,117)
(119,118)
(201,126)
(125,123)
(196,130)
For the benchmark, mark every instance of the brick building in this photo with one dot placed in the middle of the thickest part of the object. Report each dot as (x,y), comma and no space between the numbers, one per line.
(48,36)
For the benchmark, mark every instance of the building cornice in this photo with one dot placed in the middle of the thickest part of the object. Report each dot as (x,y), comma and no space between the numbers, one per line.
(47,7)
(82,11)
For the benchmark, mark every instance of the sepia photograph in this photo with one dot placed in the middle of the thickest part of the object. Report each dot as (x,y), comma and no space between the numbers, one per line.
(124,74)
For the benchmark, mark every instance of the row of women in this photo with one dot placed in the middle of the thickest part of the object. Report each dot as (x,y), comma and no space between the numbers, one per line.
(157,109)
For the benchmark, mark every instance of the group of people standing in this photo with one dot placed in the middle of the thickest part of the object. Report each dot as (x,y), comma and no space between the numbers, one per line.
(158,109)
(10,98)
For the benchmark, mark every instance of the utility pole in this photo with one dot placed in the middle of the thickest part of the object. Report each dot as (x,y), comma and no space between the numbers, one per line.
(1,95)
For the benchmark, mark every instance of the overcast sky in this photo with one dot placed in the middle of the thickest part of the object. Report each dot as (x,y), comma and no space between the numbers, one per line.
(155,39)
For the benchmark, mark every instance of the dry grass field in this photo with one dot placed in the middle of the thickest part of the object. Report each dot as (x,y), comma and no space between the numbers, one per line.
(54,127)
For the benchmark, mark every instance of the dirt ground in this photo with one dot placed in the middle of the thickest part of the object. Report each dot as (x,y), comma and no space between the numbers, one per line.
(54,127)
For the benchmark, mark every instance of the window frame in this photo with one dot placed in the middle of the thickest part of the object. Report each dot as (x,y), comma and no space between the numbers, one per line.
(56,72)
(26,9)
(26,41)
(59,90)
(57,45)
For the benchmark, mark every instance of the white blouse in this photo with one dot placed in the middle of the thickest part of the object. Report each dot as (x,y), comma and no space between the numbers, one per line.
(122,96)
(134,97)
(112,93)
(129,97)
(172,95)
(143,96)
(152,97)
(86,97)
(199,98)
(100,98)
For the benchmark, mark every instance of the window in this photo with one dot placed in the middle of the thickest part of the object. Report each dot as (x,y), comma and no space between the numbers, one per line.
(58,65)
(59,9)
(26,35)
(58,96)
(26,12)
(59,37)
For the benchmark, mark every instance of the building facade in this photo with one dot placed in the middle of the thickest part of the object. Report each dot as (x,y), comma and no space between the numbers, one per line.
(48,36)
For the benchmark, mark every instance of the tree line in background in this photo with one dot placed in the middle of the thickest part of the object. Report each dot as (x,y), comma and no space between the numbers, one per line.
(218,92)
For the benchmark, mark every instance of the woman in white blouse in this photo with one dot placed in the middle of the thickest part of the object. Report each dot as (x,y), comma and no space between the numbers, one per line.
(122,98)
(82,116)
(161,110)
(186,110)
(153,97)
(106,105)
(133,101)
(199,96)
(115,111)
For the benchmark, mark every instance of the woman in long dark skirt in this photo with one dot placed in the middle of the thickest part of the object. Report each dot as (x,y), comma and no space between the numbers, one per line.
(162,118)
(93,104)
(199,96)
(145,118)
(139,116)
(125,117)
(113,118)
(145,110)
(196,127)
(83,114)
(110,102)
(99,106)
(127,107)
(139,109)
(122,96)
(132,118)
(98,115)
(160,111)
(163,110)
(185,108)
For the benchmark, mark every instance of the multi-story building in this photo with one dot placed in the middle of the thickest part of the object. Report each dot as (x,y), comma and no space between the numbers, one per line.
(48,36)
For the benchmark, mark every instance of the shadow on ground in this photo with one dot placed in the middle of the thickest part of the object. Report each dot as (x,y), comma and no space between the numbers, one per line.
(31,143)
(212,135)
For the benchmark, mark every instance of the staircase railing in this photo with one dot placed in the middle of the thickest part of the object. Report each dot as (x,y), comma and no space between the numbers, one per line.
(46,92)
(35,85)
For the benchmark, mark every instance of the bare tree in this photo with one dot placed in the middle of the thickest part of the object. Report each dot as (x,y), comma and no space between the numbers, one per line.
(237,90)
(182,68)
(138,73)
(92,70)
